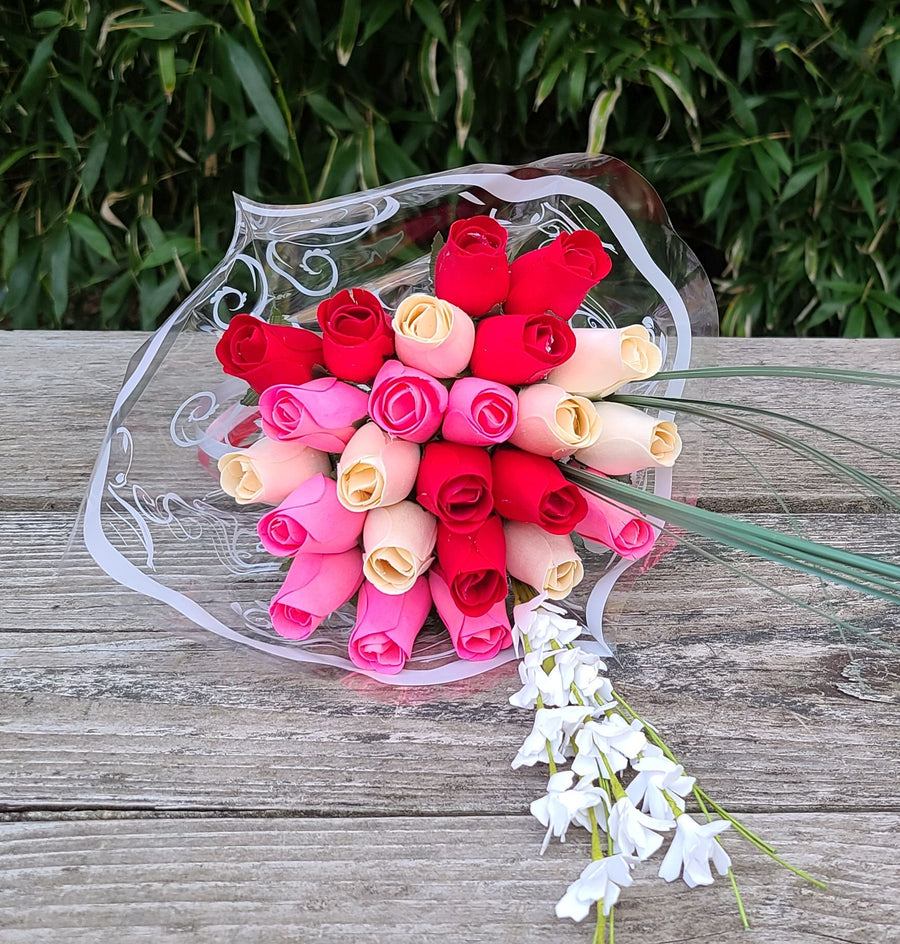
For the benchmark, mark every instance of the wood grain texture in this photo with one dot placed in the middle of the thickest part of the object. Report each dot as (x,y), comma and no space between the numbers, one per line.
(404,880)
(107,709)
(159,786)
(64,385)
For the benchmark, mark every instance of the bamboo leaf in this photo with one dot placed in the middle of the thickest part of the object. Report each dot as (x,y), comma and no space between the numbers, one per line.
(90,234)
(465,90)
(430,15)
(256,88)
(347,30)
(679,88)
(601,112)
(165,55)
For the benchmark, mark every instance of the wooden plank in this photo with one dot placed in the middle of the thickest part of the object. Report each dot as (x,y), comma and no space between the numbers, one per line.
(104,708)
(63,385)
(404,880)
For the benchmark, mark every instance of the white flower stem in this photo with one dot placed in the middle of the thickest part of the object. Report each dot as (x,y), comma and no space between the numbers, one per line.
(702,796)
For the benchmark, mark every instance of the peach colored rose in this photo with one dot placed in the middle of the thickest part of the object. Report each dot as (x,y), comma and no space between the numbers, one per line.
(546,561)
(606,359)
(630,440)
(433,335)
(268,471)
(376,469)
(554,423)
(398,544)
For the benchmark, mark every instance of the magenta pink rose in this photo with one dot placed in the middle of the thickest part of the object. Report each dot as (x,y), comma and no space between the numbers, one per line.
(622,529)
(387,626)
(320,413)
(311,519)
(475,638)
(480,412)
(315,586)
(406,402)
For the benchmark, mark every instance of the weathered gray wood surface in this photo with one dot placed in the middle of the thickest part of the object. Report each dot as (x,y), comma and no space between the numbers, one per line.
(157,787)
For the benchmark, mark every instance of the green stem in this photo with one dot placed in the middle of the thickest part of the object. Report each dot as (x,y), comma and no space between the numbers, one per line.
(865,377)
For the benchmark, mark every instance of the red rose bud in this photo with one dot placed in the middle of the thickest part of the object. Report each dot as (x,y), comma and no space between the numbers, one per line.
(520,349)
(454,484)
(472,270)
(264,355)
(531,488)
(474,565)
(357,334)
(558,276)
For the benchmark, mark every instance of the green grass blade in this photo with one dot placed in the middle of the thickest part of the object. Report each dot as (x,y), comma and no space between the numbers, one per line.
(865,377)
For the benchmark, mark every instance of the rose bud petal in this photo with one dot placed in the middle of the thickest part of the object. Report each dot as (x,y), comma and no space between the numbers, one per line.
(320,413)
(316,585)
(520,349)
(268,471)
(554,423)
(615,526)
(375,469)
(630,439)
(263,354)
(475,564)
(387,626)
(454,483)
(547,562)
(356,334)
(532,488)
(480,412)
(433,335)
(557,277)
(606,359)
(471,269)
(406,402)
(475,638)
(398,542)
(310,519)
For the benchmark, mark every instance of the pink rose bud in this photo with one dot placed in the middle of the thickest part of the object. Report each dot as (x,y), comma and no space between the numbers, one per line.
(315,586)
(311,519)
(630,439)
(554,423)
(475,638)
(618,527)
(407,402)
(546,561)
(268,471)
(480,412)
(320,413)
(606,359)
(398,543)
(387,626)
(376,469)
(433,335)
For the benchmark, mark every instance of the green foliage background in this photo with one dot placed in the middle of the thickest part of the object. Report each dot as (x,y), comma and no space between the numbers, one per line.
(769,129)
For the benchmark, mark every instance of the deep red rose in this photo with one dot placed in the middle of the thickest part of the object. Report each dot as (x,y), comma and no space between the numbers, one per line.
(557,277)
(454,484)
(265,354)
(520,349)
(475,563)
(357,334)
(472,270)
(531,488)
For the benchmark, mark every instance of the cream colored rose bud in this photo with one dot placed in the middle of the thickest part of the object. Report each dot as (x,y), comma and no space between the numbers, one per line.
(606,359)
(545,561)
(375,469)
(398,543)
(433,335)
(268,471)
(630,440)
(554,423)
